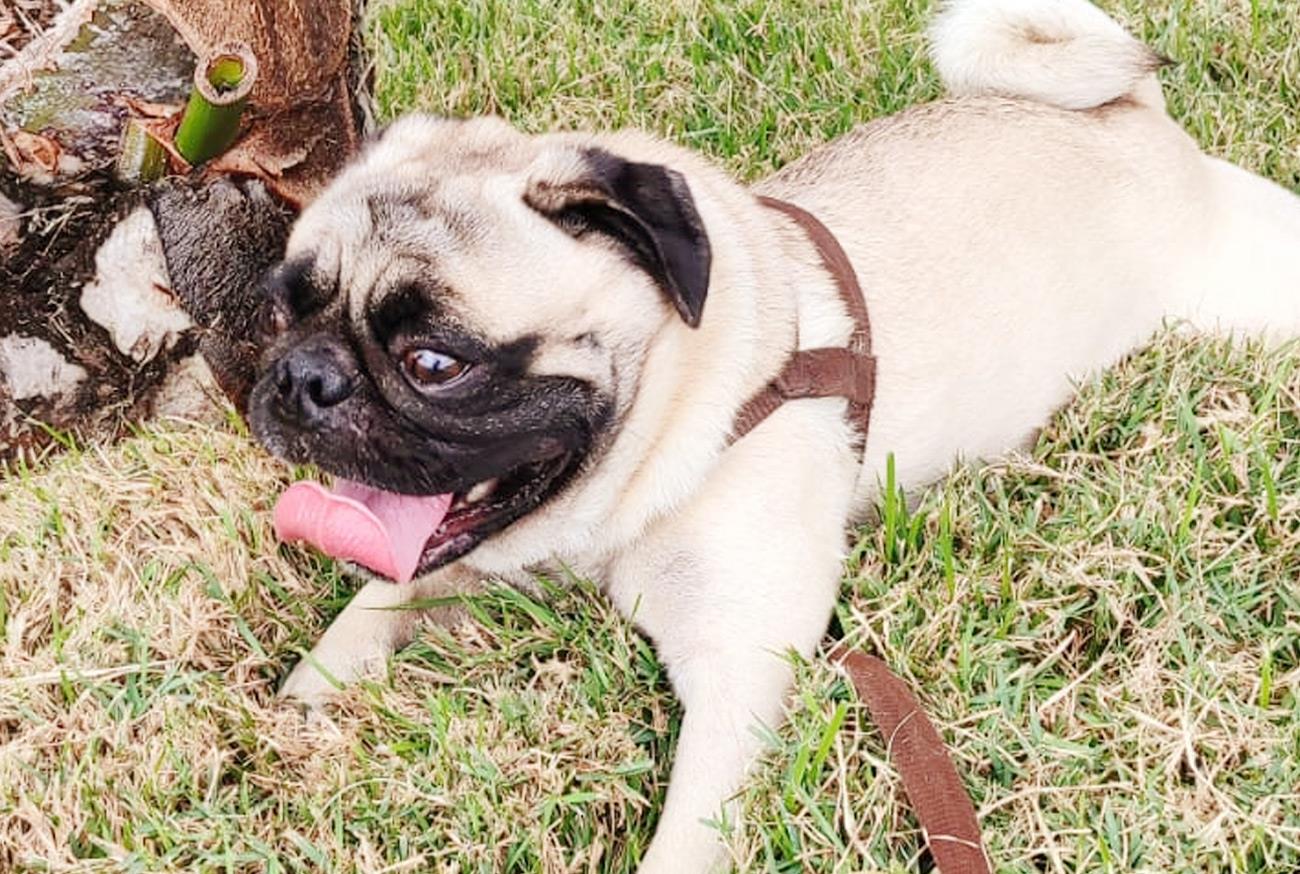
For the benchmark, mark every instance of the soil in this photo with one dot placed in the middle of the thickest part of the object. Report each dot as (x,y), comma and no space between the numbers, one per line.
(40,286)
(79,108)
(217,235)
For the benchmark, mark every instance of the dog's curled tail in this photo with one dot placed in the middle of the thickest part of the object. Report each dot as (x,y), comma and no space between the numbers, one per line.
(1065,53)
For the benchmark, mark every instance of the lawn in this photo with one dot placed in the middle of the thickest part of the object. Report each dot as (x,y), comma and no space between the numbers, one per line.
(1106,629)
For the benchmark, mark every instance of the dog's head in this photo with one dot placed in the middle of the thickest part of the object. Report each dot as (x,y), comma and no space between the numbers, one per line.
(458,327)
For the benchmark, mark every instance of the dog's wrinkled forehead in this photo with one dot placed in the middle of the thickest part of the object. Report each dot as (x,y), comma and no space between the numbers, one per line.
(512,234)
(450,146)
(424,191)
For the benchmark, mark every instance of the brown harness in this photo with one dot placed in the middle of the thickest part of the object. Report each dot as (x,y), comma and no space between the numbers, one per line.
(836,372)
(929,777)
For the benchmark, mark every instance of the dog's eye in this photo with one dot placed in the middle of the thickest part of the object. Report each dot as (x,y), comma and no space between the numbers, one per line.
(426,368)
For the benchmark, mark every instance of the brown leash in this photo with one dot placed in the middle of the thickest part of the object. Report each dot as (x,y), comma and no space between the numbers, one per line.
(931,781)
(929,777)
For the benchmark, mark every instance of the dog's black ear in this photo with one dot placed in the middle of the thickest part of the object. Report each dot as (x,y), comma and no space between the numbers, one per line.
(645,208)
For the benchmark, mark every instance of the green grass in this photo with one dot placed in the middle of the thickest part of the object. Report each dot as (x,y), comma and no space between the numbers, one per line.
(1107,630)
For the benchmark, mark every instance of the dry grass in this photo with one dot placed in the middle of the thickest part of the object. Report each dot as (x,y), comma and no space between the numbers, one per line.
(31,34)
(21,21)
(1107,631)
(147,616)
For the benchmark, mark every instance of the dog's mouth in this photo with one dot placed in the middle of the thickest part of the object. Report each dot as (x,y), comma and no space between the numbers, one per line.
(402,536)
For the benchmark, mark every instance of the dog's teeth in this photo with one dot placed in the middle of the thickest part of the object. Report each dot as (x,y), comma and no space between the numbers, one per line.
(481,491)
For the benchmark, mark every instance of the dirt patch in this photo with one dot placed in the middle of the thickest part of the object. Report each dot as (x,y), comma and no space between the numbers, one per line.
(39,289)
(69,93)
(213,275)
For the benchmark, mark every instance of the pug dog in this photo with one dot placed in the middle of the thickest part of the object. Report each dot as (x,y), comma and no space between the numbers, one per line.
(517,353)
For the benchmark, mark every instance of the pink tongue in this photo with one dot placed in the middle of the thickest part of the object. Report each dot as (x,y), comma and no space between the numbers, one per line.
(383,531)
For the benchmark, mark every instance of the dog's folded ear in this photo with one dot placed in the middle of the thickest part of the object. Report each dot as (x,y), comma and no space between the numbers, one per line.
(647,209)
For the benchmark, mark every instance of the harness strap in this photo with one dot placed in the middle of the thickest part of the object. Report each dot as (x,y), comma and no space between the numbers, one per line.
(931,781)
(848,371)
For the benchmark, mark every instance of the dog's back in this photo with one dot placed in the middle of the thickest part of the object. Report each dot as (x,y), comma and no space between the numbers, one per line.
(1070,55)
(1034,227)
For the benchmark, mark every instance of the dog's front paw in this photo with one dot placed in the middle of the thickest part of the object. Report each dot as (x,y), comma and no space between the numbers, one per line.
(310,685)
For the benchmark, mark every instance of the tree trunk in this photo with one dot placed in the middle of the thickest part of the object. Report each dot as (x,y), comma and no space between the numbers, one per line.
(120,305)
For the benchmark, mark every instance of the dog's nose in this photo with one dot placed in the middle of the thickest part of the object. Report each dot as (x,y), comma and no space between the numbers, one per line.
(311,378)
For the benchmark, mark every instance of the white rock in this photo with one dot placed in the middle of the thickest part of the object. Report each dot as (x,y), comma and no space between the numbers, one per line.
(129,295)
(189,392)
(32,368)
(11,224)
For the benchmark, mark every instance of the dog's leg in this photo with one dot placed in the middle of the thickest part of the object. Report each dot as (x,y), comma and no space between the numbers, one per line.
(730,697)
(372,627)
(726,590)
